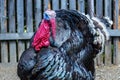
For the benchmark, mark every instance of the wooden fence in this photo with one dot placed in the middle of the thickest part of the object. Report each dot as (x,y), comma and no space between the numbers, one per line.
(20,18)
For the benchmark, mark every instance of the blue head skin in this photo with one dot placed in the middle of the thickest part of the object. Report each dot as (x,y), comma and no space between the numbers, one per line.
(46,16)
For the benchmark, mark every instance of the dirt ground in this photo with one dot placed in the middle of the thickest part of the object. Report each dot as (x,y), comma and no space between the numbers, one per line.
(8,72)
(108,73)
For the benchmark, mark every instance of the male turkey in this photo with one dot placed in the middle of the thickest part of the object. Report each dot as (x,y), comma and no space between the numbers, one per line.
(64,46)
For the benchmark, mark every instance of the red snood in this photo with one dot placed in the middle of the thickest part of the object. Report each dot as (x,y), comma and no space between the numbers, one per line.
(41,38)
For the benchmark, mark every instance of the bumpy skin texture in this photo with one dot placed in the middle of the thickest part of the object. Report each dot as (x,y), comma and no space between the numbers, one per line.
(70,55)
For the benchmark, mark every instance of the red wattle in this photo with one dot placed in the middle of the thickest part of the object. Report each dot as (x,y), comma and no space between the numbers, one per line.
(41,38)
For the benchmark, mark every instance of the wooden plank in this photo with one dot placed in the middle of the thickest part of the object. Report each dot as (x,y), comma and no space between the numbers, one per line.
(3,25)
(11,23)
(29,15)
(119,29)
(82,6)
(0,51)
(114,32)
(38,13)
(21,48)
(20,25)
(0,30)
(12,51)
(15,36)
(28,44)
(116,40)
(108,8)
(20,16)
(46,4)
(108,54)
(99,8)
(63,4)
(116,55)
(119,17)
(90,7)
(72,4)
(11,16)
(55,4)
(23,36)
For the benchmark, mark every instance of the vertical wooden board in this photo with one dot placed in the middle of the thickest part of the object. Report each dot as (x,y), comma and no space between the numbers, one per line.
(20,25)
(29,15)
(11,15)
(4,52)
(82,6)
(119,28)
(21,48)
(95,62)
(108,54)
(116,13)
(108,8)
(72,4)
(11,23)
(99,60)
(99,13)
(119,38)
(3,25)
(90,8)
(28,44)
(116,55)
(63,4)
(12,51)
(38,13)
(99,8)
(46,4)
(0,51)
(119,17)
(0,29)
(20,16)
(55,4)
(116,40)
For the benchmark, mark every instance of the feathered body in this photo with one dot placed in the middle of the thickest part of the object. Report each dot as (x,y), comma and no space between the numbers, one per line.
(70,54)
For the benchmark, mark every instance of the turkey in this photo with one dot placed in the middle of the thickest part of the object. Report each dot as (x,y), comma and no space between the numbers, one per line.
(64,47)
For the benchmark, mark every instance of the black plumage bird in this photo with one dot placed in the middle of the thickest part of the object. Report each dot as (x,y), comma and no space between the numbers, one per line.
(70,54)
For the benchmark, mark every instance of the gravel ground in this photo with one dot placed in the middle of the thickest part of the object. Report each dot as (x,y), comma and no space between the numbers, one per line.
(108,73)
(8,72)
